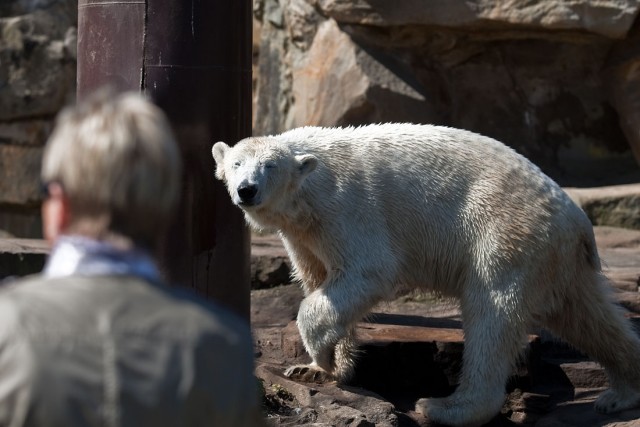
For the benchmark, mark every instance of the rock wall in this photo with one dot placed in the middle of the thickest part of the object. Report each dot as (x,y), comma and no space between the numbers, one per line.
(559,80)
(37,78)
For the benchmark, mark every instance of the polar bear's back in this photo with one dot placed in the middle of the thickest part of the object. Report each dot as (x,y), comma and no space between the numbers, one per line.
(398,146)
(419,157)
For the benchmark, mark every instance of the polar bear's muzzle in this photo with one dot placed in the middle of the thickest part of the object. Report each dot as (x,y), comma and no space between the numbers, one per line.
(247,195)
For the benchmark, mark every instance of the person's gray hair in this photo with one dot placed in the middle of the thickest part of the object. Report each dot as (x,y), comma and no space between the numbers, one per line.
(117,161)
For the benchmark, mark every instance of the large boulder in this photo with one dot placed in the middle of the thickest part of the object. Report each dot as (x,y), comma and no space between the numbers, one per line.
(37,61)
(623,82)
(556,79)
(37,78)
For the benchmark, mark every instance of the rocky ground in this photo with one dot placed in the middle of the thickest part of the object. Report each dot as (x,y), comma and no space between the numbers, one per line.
(411,348)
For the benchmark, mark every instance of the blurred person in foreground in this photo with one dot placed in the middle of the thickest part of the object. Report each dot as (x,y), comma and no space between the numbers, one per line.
(99,339)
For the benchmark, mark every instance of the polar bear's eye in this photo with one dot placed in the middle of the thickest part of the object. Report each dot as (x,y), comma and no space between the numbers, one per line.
(270,165)
(236,164)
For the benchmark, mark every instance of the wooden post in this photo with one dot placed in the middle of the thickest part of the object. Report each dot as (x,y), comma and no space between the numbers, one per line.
(193,59)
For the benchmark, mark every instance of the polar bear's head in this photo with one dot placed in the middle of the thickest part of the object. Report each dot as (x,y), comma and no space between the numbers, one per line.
(260,172)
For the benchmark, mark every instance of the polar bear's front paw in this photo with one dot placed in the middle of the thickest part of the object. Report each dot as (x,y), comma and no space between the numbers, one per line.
(615,401)
(309,374)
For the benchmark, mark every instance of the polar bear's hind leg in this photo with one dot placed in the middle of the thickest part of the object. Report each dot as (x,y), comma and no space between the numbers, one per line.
(494,334)
(591,322)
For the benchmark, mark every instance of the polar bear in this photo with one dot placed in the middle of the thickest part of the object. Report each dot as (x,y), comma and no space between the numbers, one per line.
(370,211)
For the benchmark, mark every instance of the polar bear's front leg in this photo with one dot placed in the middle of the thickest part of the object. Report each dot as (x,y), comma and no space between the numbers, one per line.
(325,321)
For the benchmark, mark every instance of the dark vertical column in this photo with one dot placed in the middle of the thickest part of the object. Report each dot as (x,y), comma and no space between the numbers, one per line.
(198,69)
(110,44)
(193,58)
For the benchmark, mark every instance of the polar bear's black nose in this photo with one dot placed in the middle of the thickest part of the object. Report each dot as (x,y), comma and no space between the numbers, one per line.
(247,192)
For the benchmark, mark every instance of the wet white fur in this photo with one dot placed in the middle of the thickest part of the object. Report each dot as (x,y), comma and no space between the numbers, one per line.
(367,211)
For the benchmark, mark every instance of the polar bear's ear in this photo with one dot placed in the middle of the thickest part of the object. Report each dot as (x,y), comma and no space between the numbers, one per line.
(306,164)
(219,150)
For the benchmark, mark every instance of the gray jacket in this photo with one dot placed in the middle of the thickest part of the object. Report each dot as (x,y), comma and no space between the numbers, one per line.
(119,351)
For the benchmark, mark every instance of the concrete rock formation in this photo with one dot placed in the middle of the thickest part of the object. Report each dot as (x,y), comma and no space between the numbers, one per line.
(555,79)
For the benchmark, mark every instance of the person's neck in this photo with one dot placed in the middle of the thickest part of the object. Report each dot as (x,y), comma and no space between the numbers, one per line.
(81,255)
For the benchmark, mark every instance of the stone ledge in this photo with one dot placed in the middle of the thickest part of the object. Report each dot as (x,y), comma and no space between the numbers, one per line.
(20,257)
(606,18)
(616,206)
(270,265)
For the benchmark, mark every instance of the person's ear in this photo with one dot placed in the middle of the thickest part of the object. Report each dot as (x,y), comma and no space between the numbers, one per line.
(56,213)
